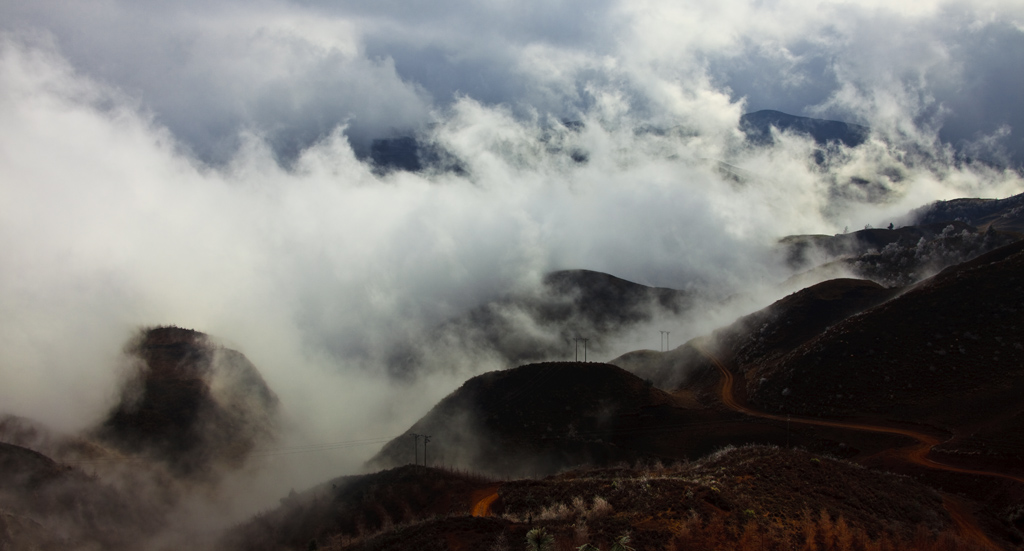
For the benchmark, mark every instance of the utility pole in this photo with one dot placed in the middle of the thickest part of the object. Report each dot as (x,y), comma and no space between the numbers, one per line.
(416,448)
(667,347)
(585,350)
(425,440)
(661,343)
(577,341)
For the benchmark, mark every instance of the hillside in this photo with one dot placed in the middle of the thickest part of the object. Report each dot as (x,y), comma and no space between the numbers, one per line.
(893,257)
(761,337)
(47,505)
(541,418)
(947,352)
(747,498)
(1000,214)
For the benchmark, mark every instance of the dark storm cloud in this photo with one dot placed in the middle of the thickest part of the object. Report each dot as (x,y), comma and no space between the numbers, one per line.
(293,71)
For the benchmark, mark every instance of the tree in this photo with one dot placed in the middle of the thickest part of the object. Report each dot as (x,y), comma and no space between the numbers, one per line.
(539,539)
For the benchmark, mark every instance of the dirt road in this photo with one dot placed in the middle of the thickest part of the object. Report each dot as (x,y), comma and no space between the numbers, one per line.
(482,501)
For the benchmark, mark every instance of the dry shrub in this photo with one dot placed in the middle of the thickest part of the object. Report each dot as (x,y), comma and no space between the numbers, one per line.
(581,533)
(752,539)
(826,530)
(558,511)
(500,543)
(810,532)
(580,506)
(844,535)
(601,508)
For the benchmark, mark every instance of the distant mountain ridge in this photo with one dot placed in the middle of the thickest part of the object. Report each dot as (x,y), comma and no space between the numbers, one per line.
(412,154)
(568,304)
(1000,214)
(758,128)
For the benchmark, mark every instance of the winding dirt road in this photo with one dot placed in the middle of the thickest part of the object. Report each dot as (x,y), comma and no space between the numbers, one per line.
(916,454)
(483,500)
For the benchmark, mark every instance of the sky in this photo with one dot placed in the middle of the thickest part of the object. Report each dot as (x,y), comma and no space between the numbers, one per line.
(203,164)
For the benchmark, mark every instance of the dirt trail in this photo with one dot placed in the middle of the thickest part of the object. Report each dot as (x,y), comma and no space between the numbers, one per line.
(482,501)
(916,454)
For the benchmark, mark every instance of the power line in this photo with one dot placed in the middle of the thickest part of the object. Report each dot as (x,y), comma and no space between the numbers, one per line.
(416,448)
(259,452)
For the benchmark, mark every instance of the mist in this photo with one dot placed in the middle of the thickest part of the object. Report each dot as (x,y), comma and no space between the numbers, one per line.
(205,166)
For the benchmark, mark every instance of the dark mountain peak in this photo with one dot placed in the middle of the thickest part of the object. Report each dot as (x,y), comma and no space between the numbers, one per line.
(537,418)
(757,126)
(192,403)
(410,154)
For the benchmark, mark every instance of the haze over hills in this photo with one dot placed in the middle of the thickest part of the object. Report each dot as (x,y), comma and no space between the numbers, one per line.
(541,324)
(189,415)
(384,204)
(851,361)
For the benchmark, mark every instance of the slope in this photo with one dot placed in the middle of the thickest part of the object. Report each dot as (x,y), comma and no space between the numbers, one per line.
(541,418)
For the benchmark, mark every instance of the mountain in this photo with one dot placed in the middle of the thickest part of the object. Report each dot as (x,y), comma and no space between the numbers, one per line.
(761,337)
(542,324)
(758,128)
(1000,214)
(47,505)
(189,412)
(947,352)
(541,418)
(893,257)
(409,154)
(192,404)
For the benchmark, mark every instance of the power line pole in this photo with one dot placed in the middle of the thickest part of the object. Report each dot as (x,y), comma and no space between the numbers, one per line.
(667,346)
(416,448)
(577,341)
(787,430)
(425,440)
(585,350)
(661,343)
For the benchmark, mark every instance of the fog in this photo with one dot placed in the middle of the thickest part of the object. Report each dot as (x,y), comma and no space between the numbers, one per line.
(204,165)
